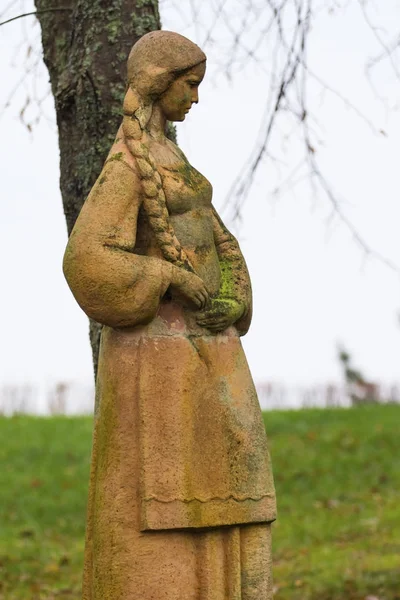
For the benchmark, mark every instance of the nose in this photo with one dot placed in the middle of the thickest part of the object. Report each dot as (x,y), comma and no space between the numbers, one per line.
(195,96)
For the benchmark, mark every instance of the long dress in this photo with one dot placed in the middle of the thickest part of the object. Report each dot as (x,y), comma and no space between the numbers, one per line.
(181,494)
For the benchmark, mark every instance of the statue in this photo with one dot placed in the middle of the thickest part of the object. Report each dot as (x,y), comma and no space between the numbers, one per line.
(181,494)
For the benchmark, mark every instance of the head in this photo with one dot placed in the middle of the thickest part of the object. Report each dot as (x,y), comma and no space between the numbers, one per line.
(178,98)
(159,58)
(166,69)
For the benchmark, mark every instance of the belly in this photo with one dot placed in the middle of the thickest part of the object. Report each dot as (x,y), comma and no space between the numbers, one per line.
(195,233)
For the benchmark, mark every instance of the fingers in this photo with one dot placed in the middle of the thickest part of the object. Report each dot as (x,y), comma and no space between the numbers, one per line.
(199,296)
(202,296)
(207,315)
(221,324)
(209,318)
(217,327)
(203,320)
(199,300)
(214,324)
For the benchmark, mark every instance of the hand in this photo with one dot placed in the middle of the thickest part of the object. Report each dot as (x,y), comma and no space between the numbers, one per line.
(191,287)
(222,313)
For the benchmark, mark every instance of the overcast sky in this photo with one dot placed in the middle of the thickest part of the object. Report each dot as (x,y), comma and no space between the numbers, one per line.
(312,286)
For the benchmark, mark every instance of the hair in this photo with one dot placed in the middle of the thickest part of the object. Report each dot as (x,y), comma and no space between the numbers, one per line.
(155,61)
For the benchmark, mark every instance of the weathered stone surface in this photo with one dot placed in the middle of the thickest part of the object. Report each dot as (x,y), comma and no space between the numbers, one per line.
(181,493)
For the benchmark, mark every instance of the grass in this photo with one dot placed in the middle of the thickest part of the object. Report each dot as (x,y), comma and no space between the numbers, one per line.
(337,476)
(43,488)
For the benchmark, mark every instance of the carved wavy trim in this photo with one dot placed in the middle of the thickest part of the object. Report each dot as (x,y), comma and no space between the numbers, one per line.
(211,499)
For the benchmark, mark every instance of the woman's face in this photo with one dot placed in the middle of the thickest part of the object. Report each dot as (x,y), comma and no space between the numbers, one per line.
(177,100)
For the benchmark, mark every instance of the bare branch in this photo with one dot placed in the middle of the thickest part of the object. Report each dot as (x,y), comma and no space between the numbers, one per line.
(284,26)
(368,251)
(288,95)
(35,12)
(217,16)
(242,185)
(327,188)
(387,51)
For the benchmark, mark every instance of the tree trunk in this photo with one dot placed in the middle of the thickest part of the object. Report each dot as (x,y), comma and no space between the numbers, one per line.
(85,50)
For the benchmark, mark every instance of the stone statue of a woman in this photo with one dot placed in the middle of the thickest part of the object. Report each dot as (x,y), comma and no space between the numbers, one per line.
(181,492)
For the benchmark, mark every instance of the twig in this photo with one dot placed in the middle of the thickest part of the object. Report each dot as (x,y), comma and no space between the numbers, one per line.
(386,49)
(243,182)
(35,12)
(293,76)
(217,15)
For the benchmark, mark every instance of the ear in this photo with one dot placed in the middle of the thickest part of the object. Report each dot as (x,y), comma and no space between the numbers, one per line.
(153,81)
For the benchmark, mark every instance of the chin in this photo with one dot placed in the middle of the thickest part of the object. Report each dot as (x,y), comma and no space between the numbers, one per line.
(177,117)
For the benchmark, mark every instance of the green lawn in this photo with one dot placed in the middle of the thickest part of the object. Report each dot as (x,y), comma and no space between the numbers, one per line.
(337,476)
(338,482)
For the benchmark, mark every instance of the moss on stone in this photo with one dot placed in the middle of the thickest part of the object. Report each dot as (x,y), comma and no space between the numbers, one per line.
(116,156)
(112,31)
(143,23)
(144,3)
(228,281)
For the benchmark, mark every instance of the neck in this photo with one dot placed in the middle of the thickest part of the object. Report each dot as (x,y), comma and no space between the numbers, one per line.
(157,123)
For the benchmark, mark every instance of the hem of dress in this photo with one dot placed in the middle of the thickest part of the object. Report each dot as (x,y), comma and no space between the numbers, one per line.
(195,514)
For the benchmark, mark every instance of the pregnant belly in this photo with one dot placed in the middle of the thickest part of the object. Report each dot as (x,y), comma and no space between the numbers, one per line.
(194,231)
(208,269)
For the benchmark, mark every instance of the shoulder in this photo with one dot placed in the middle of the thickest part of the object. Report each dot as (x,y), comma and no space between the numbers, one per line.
(119,181)
(120,153)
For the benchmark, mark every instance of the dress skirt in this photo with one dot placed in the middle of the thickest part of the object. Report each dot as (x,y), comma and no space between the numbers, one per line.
(181,496)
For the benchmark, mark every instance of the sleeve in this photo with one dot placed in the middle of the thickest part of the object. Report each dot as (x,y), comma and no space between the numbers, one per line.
(235,282)
(111,284)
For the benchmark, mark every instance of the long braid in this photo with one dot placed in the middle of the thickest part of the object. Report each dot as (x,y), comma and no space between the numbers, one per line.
(136,117)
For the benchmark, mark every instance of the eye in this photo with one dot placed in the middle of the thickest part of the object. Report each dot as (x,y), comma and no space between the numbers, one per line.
(193,84)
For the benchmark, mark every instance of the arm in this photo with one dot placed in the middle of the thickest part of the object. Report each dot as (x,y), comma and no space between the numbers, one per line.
(113,285)
(234,297)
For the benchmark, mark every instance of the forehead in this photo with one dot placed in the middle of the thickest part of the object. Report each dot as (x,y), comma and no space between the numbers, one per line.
(197,72)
